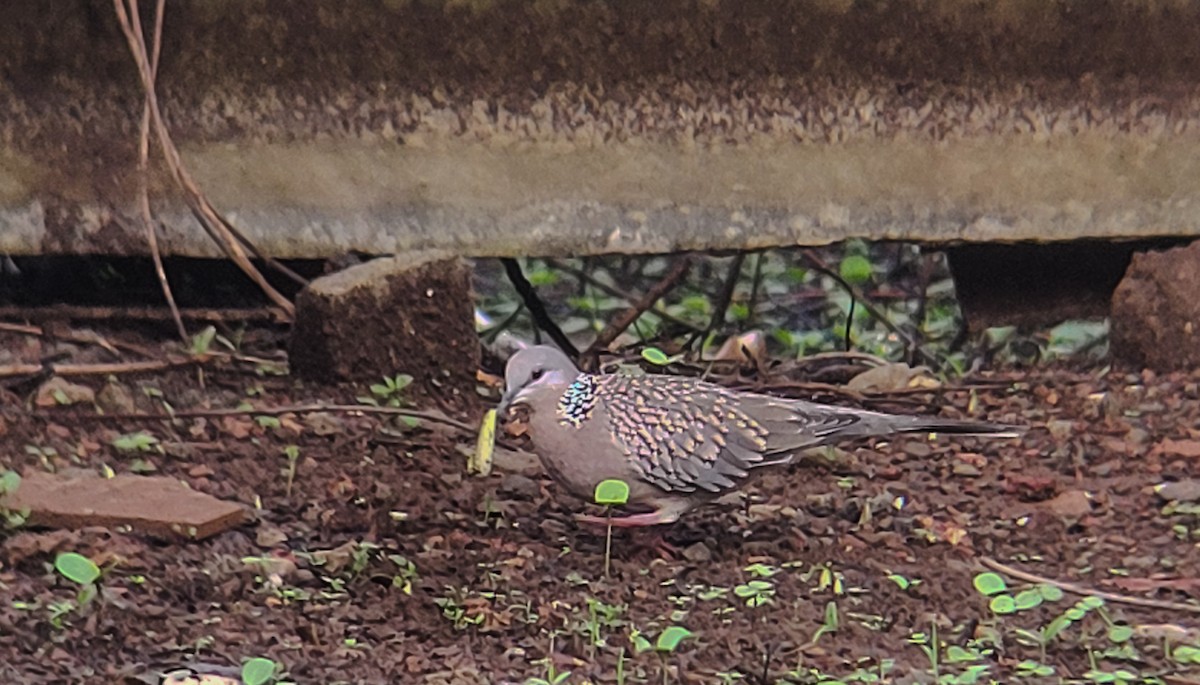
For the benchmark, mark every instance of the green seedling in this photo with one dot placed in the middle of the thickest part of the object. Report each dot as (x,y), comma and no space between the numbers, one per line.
(1033,669)
(1086,606)
(292,453)
(553,675)
(903,582)
(202,341)
(756,593)
(761,570)
(658,357)
(1186,654)
(9,482)
(268,422)
(83,572)
(136,442)
(1120,676)
(828,579)
(1002,602)
(259,671)
(389,393)
(610,493)
(406,573)
(667,643)
(453,609)
(830,624)
(932,648)
(601,617)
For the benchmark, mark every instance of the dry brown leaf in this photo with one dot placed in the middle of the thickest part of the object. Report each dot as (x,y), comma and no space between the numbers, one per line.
(1070,504)
(748,348)
(1178,448)
(890,377)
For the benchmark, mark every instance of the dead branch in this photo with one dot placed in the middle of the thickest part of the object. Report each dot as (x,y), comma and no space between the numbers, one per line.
(626,318)
(609,290)
(63,311)
(232,242)
(537,310)
(144,171)
(726,296)
(87,338)
(262,411)
(13,370)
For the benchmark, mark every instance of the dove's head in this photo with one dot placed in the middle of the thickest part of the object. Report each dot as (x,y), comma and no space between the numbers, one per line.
(533,368)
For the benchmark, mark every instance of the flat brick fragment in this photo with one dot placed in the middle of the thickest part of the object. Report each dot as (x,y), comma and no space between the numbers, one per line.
(154,505)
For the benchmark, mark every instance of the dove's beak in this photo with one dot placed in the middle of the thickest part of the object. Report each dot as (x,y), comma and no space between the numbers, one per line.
(512,396)
(505,400)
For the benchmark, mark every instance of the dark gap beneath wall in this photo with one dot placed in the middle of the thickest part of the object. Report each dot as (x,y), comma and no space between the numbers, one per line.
(93,280)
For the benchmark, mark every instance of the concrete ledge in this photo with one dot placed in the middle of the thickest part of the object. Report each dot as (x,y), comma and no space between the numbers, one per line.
(610,126)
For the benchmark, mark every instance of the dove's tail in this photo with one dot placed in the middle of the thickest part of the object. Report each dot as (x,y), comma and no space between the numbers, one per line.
(924,424)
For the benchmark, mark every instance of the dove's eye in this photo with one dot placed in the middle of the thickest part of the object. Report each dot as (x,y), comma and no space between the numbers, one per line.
(538,373)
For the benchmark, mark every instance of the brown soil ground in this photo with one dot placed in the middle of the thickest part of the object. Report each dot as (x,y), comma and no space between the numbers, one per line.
(500,567)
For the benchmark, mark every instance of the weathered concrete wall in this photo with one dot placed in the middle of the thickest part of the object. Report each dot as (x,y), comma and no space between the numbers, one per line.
(555,126)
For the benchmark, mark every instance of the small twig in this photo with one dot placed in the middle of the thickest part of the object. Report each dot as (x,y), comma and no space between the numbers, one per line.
(79,338)
(924,275)
(1086,591)
(585,277)
(857,294)
(63,311)
(755,285)
(11,370)
(263,411)
(492,333)
(537,310)
(726,295)
(626,318)
(846,345)
(144,171)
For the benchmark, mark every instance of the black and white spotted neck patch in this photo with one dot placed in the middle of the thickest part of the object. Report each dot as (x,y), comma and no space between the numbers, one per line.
(576,403)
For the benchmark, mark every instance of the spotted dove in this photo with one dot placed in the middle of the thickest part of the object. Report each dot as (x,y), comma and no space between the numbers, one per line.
(678,442)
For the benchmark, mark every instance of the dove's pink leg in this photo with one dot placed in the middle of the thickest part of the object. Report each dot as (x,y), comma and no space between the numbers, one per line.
(652,518)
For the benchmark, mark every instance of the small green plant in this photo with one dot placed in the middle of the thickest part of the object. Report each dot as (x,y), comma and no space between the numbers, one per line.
(1002,602)
(389,393)
(9,482)
(903,582)
(140,441)
(259,671)
(610,493)
(830,624)
(83,572)
(932,648)
(1033,669)
(406,573)
(268,422)
(202,341)
(601,617)
(553,675)
(667,643)
(454,610)
(757,592)
(1186,654)
(658,357)
(292,453)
